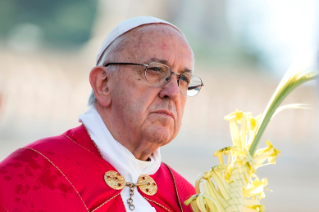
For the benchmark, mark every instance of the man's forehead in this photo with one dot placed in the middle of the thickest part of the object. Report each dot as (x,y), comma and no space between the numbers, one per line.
(158,30)
(128,25)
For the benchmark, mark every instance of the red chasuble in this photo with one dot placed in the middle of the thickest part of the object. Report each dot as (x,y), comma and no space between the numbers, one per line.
(66,173)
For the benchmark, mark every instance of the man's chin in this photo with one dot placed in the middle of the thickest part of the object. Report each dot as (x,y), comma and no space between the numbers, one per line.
(160,135)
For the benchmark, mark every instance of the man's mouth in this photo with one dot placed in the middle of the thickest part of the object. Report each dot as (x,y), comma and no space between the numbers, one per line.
(165,113)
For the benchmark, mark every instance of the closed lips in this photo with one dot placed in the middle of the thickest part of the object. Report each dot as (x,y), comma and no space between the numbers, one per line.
(165,112)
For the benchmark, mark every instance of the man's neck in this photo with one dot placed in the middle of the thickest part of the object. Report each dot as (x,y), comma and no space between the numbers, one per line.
(141,149)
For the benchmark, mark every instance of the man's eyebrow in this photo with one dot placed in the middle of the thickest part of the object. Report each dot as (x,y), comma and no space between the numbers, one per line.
(187,71)
(154,59)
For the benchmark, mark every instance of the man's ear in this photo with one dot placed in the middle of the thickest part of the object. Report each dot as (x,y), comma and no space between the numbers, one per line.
(99,80)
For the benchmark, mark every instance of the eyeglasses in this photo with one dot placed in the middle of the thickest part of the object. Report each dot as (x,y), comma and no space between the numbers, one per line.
(159,74)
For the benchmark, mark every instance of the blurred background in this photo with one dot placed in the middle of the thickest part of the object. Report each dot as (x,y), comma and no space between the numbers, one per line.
(242,50)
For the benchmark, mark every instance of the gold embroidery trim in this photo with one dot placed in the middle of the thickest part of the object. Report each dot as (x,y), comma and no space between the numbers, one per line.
(179,200)
(105,175)
(93,141)
(145,190)
(102,157)
(77,143)
(106,202)
(61,173)
(156,203)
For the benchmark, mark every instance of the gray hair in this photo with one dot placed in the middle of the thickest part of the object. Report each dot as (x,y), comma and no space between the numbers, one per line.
(109,55)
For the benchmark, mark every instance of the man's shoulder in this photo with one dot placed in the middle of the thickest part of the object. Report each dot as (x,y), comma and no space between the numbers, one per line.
(69,135)
(75,138)
(78,136)
(43,142)
(24,152)
(50,172)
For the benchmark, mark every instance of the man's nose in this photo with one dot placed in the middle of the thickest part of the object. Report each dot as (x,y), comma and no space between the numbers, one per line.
(171,89)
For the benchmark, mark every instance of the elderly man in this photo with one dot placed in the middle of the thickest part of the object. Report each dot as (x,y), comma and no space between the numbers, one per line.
(112,161)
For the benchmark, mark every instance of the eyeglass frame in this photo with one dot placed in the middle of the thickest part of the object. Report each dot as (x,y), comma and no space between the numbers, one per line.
(172,72)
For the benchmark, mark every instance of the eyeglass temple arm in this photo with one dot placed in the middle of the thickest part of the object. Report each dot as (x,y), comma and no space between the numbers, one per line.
(193,87)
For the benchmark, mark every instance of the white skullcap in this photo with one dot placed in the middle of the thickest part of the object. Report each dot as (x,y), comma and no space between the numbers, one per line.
(126,26)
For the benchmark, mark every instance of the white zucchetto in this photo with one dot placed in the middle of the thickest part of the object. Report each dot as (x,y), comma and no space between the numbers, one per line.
(126,26)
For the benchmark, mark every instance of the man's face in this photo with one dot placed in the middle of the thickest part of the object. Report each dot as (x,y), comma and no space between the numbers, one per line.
(145,113)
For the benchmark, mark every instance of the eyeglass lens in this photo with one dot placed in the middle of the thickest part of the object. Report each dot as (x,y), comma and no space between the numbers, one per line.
(159,74)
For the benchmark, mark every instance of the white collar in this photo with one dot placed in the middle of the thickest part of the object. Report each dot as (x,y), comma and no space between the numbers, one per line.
(115,153)
(120,158)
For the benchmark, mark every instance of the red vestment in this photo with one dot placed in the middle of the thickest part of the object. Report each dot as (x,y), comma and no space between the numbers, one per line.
(66,173)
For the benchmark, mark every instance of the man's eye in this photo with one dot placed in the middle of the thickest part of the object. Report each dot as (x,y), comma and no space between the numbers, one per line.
(156,69)
(184,78)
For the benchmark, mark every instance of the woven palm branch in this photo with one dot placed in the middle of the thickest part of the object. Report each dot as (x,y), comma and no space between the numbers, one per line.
(233,185)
